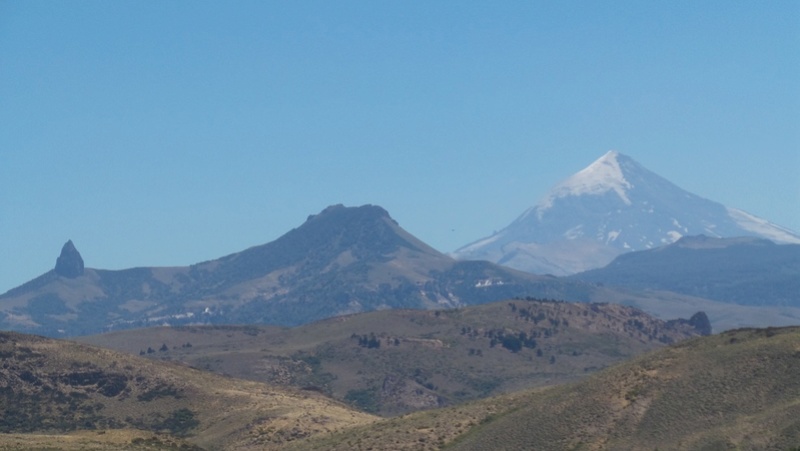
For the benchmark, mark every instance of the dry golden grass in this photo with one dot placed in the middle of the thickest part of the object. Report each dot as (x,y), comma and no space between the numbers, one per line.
(54,386)
(426,359)
(737,390)
(103,440)
(426,430)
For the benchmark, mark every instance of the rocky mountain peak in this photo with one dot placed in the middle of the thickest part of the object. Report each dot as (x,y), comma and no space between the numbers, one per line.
(340,228)
(341,212)
(333,239)
(69,263)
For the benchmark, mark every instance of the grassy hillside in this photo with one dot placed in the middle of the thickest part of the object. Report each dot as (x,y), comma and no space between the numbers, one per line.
(396,361)
(736,390)
(103,440)
(49,388)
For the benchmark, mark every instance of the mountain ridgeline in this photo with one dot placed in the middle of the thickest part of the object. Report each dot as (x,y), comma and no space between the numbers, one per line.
(744,270)
(342,260)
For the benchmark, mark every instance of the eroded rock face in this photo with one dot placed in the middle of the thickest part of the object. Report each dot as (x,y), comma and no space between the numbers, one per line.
(701,322)
(69,263)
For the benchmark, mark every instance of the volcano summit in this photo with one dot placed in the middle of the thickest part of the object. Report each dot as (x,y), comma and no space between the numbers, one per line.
(614,205)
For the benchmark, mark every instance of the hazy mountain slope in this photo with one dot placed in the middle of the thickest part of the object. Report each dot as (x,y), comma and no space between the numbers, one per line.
(343,260)
(337,237)
(52,387)
(723,315)
(611,207)
(736,390)
(396,361)
(746,271)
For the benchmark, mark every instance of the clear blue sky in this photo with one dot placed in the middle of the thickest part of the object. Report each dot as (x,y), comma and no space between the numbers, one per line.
(166,133)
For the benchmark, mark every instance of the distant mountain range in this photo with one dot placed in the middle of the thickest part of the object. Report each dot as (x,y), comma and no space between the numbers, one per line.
(340,261)
(613,206)
(343,260)
(745,270)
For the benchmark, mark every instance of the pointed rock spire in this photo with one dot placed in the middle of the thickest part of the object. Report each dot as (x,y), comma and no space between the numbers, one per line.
(69,263)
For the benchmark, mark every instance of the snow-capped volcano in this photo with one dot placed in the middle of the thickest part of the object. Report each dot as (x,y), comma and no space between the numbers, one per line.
(614,205)
(602,176)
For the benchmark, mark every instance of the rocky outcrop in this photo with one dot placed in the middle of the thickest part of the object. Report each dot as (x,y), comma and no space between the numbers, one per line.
(699,321)
(69,263)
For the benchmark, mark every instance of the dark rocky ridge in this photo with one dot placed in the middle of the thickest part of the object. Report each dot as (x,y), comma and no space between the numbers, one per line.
(741,270)
(699,321)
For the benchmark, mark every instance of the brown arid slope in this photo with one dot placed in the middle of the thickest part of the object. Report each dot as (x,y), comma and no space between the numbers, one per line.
(736,390)
(397,361)
(102,440)
(75,396)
